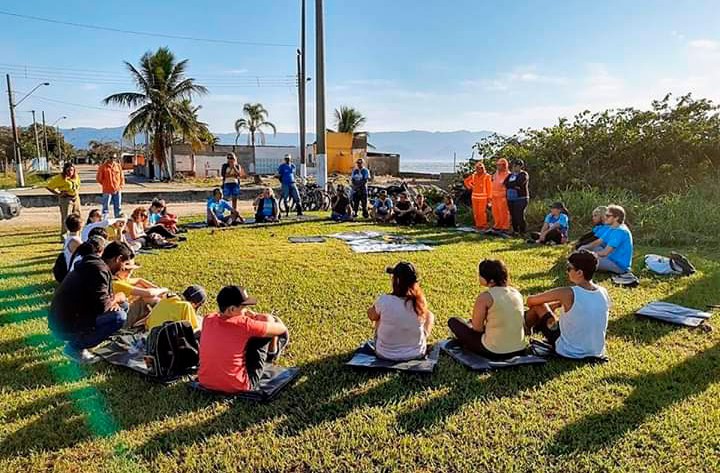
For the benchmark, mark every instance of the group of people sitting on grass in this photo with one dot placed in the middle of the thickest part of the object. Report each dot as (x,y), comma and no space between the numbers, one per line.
(221,214)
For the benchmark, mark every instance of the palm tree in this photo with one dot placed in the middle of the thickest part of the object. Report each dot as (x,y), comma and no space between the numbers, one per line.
(348,119)
(197,135)
(162,87)
(255,120)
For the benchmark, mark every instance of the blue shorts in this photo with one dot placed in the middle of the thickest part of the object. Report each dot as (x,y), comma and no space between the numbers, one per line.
(231,190)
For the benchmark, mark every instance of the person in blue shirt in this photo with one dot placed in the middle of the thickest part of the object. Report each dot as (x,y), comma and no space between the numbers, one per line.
(359,180)
(286,171)
(614,249)
(446,212)
(216,208)
(266,207)
(555,227)
(598,228)
(382,210)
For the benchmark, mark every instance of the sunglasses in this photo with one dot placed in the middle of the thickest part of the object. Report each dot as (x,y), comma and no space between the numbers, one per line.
(609,215)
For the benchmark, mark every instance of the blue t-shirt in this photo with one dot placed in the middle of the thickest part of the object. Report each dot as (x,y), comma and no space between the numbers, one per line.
(267,207)
(154,218)
(562,220)
(383,206)
(621,240)
(287,173)
(218,208)
(600,230)
(359,178)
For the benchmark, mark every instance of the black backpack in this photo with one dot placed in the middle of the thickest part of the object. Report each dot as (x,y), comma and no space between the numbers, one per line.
(60,268)
(172,351)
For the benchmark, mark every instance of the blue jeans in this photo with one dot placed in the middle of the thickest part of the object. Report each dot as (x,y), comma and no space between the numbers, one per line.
(291,191)
(116,199)
(105,325)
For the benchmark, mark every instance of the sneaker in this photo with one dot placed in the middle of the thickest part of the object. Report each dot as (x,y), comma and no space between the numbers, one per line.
(83,357)
(181,238)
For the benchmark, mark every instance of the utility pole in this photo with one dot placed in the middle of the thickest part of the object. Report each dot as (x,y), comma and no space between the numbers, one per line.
(320,128)
(58,136)
(47,152)
(301,92)
(16,139)
(37,138)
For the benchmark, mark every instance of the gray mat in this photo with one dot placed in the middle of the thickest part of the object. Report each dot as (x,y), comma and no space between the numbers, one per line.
(674,314)
(306,239)
(480,363)
(272,382)
(365,358)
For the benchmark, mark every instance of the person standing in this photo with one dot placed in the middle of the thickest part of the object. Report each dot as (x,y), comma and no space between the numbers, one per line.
(518,195)
(480,184)
(66,186)
(289,189)
(359,180)
(231,173)
(500,209)
(111,178)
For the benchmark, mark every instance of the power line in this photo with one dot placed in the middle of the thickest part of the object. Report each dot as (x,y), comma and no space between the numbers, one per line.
(143,33)
(77,79)
(104,109)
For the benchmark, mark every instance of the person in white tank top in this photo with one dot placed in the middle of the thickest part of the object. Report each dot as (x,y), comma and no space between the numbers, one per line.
(73,223)
(573,319)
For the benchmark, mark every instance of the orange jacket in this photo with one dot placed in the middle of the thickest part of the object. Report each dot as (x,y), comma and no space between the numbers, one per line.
(479,184)
(111,177)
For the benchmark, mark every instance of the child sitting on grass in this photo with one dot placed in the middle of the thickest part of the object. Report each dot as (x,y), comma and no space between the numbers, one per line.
(237,344)
(382,209)
(446,212)
(178,308)
(573,319)
(341,209)
(555,227)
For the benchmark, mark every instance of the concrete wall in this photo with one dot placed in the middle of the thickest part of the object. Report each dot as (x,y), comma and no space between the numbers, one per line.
(208,162)
(268,158)
(383,165)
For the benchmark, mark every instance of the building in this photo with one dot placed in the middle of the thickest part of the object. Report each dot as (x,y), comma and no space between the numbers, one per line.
(208,162)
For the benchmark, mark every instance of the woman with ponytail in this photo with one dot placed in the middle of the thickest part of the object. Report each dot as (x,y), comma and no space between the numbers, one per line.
(402,319)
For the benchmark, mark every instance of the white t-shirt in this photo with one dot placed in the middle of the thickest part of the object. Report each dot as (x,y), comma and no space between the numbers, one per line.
(583,327)
(400,334)
(66,248)
(85,234)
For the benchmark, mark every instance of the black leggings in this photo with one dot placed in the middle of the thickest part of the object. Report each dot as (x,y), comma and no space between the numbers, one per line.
(160,230)
(517,213)
(359,201)
(472,340)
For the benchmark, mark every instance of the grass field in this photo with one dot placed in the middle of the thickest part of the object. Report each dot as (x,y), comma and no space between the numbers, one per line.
(654,407)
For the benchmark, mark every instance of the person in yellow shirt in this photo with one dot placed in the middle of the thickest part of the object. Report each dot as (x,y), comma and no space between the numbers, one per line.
(176,308)
(140,293)
(66,186)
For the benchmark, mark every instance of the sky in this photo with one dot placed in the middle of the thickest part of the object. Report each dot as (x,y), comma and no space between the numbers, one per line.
(405,64)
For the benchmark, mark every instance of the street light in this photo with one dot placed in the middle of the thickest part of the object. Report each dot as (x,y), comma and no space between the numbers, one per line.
(16,138)
(57,132)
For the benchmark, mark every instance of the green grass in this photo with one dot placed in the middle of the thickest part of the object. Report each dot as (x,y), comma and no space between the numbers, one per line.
(31,179)
(652,408)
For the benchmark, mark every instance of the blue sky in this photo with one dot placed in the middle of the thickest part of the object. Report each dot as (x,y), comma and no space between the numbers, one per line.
(422,64)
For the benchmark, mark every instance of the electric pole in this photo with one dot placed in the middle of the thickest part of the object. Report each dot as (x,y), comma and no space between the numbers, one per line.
(301,92)
(37,138)
(320,128)
(47,152)
(16,139)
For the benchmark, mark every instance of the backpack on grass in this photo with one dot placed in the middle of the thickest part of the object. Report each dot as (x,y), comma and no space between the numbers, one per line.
(60,268)
(172,351)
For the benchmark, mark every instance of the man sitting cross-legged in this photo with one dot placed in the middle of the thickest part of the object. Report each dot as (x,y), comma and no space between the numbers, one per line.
(216,208)
(577,329)
(238,344)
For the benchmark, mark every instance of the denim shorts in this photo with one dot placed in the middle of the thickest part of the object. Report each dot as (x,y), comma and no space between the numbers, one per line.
(231,190)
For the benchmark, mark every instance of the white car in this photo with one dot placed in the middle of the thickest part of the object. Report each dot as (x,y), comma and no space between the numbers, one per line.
(9,205)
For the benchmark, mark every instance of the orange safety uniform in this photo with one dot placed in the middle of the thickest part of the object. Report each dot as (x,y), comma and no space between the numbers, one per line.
(480,184)
(500,209)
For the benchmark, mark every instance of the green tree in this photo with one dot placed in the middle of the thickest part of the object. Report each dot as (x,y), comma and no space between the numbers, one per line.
(348,119)
(99,151)
(198,135)
(253,123)
(162,86)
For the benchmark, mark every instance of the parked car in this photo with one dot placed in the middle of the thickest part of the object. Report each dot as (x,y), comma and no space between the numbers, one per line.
(9,205)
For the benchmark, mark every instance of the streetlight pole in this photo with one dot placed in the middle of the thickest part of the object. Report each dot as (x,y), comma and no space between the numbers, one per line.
(301,91)
(16,138)
(58,136)
(37,139)
(47,151)
(320,128)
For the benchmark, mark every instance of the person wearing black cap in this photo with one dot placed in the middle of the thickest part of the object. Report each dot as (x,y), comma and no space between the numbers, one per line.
(555,227)
(237,344)
(175,308)
(518,195)
(402,318)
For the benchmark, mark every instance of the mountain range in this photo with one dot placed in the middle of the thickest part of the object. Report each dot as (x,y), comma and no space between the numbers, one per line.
(412,145)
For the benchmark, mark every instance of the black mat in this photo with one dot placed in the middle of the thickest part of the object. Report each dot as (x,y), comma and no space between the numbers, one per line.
(544,349)
(272,382)
(477,362)
(497,233)
(365,358)
(306,239)
(674,314)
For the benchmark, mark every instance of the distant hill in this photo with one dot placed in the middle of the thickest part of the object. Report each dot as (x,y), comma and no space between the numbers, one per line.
(412,145)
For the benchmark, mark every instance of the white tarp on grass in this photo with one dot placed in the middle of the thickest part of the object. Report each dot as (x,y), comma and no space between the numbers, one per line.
(378,242)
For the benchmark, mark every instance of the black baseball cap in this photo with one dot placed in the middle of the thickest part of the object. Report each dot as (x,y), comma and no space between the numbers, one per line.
(195,294)
(403,270)
(518,162)
(234,296)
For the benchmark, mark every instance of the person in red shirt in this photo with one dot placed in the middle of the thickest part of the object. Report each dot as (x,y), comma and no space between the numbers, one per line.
(237,344)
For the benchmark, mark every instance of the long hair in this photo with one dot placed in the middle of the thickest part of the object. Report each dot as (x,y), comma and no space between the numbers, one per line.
(412,293)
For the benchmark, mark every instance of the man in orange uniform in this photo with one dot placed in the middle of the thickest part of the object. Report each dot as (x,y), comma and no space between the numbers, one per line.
(480,184)
(111,177)
(500,209)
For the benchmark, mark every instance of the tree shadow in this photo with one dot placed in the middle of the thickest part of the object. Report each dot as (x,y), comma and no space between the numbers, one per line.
(652,393)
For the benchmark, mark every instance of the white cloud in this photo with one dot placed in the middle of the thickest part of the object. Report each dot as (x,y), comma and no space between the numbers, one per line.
(705,44)
(236,71)
(89,87)
(520,78)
